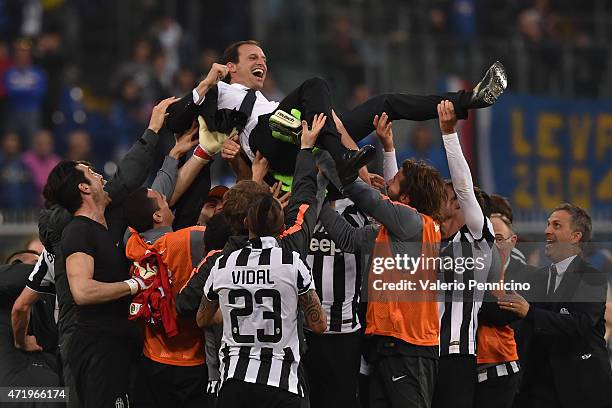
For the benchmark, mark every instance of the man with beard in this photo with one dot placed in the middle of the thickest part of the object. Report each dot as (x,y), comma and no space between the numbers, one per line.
(402,327)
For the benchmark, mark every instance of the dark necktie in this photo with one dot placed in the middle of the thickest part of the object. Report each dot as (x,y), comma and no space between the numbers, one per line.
(553,279)
(248,102)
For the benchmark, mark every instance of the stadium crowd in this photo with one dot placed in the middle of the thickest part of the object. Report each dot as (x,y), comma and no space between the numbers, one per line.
(261,294)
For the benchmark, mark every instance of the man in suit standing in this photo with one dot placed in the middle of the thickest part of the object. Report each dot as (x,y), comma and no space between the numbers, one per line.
(568,364)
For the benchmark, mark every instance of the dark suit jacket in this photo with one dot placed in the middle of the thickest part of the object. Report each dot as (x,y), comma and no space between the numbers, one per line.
(523,273)
(566,334)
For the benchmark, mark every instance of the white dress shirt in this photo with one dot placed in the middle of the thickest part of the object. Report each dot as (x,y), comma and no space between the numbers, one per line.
(231,97)
(561,268)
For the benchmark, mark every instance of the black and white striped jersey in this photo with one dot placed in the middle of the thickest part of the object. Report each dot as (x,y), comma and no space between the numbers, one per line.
(257,288)
(42,278)
(337,276)
(458,310)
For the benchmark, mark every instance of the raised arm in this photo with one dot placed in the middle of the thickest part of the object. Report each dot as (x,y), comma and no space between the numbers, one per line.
(348,142)
(347,237)
(384,131)
(186,175)
(459,170)
(302,210)
(401,220)
(166,178)
(187,109)
(134,168)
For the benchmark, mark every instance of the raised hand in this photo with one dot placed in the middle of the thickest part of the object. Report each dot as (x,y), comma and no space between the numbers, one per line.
(217,73)
(447,117)
(230,148)
(185,141)
(377,181)
(158,116)
(277,192)
(309,136)
(259,167)
(384,131)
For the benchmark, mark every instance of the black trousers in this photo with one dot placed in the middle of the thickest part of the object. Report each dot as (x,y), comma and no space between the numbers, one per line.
(100,364)
(67,375)
(314,96)
(402,382)
(498,392)
(401,375)
(332,367)
(241,394)
(310,98)
(538,392)
(456,382)
(168,386)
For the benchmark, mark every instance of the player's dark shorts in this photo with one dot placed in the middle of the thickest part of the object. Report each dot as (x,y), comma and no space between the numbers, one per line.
(456,381)
(402,375)
(241,394)
(100,364)
(163,385)
(332,366)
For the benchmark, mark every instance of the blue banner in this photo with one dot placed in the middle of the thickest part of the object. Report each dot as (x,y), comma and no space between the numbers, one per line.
(540,152)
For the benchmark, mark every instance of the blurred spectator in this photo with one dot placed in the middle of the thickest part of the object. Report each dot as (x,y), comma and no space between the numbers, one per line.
(139,69)
(424,146)
(184,82)
(538,28)
(79,147)
(529,26)
(16,184)
(32,18)
(129,116)
(175,43)
(207,58)
(439,16)
(5,63)
(11,14)
(359,95)
(52,58)
(26,86)
(162,77)
(343,58)
(464,16)
(41,158)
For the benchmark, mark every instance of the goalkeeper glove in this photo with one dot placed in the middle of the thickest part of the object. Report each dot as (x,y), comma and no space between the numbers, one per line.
(210,142)
(142,278)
